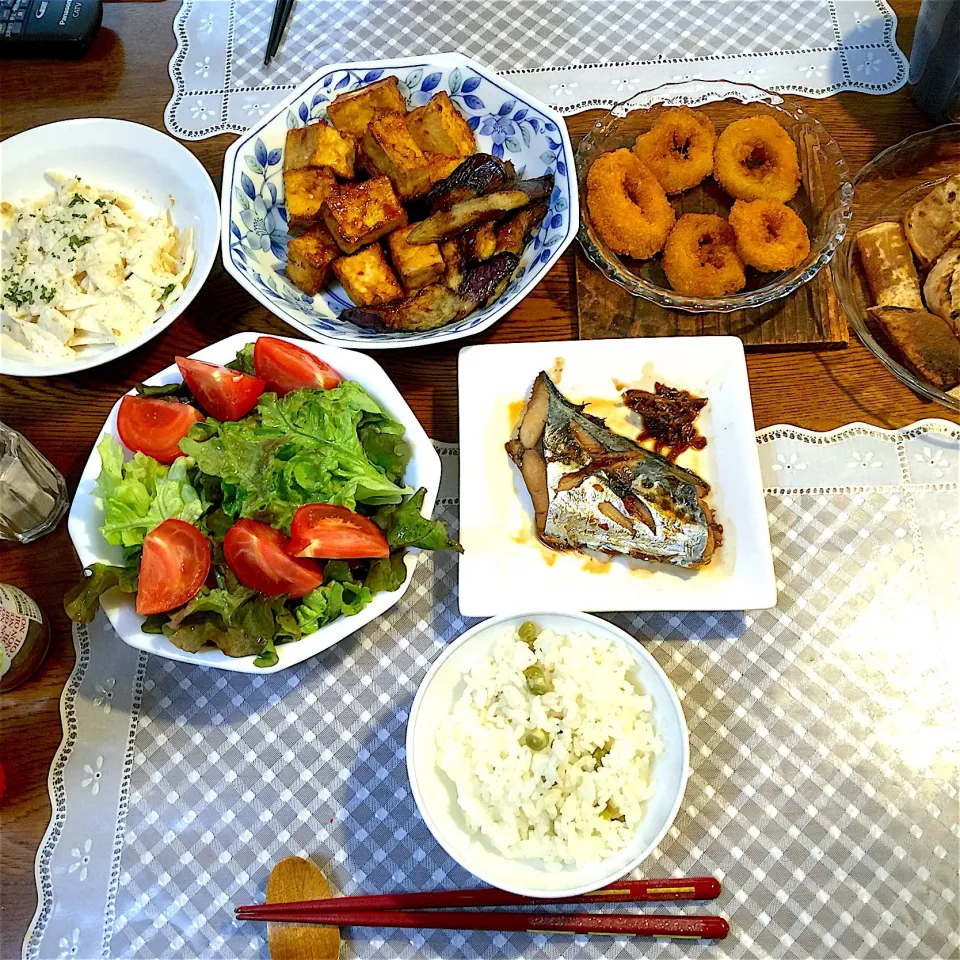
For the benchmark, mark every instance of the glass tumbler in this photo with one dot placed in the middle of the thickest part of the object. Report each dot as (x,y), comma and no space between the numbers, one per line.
(33,495)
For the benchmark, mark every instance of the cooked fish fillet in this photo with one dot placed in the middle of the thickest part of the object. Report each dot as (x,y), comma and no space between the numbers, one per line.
(593,488)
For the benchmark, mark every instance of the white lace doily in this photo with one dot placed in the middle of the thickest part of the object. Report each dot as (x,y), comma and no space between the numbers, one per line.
(823,741)
(572,54)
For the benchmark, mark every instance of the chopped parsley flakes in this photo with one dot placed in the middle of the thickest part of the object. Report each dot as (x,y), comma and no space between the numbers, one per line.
(165,292)
(77,242)
(76,199)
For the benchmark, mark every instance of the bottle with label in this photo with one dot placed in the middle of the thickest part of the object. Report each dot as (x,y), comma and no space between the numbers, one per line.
(24,637)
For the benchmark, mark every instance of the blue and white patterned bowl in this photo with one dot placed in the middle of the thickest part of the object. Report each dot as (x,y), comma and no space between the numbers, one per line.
(507,122)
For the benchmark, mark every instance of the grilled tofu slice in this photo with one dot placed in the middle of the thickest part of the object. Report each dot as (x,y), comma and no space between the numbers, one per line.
(362,213)
(304,192)
(439,166)
(367,277)
(439,127)
(418,265)
(320,145)
(310,259)
(352,113)
(388,150)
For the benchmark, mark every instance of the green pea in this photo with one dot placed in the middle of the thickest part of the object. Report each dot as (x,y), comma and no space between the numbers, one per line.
(538,683)
(528,632)
(537,740)
(611,812)
(601,752)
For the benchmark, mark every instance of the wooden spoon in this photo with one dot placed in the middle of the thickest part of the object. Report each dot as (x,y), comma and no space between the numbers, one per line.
(297,879)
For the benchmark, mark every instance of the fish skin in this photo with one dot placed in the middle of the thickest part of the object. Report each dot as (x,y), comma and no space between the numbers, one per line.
(662,503)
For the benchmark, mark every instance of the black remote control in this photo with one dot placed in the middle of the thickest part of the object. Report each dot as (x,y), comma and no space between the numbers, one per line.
(61,29)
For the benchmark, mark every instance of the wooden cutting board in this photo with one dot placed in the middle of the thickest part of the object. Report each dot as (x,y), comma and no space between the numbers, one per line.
(810,318)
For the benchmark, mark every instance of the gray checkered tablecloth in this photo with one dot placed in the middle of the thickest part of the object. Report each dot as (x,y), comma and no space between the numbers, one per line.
(572,54)
(823,735)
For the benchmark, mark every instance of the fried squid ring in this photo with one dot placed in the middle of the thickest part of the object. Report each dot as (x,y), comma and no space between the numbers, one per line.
(678,148)
(756,159)
(628,207)
(701,259)
(770,236)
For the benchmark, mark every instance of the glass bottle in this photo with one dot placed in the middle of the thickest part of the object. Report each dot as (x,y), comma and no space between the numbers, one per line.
(33,495)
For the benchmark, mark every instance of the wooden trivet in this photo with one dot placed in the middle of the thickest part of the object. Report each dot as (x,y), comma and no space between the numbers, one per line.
(811,317)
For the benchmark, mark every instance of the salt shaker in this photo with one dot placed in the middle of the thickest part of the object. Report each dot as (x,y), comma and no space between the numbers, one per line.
(33,495)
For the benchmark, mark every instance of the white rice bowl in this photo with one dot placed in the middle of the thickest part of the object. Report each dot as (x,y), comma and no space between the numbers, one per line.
(561,804)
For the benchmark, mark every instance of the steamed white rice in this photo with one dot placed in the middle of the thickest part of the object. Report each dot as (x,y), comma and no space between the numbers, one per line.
(547,804)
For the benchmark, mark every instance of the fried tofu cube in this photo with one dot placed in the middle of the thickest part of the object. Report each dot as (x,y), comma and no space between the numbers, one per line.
(439,127)
(320,145)
(362,213)
(419,265)
(440,167)
(351,113)
(388,149)
(304,192)
(367,277)
(310,259)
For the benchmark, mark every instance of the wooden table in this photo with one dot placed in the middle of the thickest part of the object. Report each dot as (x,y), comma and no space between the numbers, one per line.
(125,76)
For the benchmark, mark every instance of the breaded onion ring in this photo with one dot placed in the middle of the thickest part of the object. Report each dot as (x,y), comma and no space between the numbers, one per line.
(756,159)
(701,259)
(678,148)
(770,236)
(628,208)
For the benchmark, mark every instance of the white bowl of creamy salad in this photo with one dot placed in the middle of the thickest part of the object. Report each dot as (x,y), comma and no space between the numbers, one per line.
(109,230)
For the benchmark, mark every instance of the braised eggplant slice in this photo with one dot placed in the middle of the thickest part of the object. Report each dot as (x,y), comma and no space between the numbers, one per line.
(437,305)
(470,213)
(486,281)
(479,243)
(431,307)
(479,174)
(453,263)
(514,233)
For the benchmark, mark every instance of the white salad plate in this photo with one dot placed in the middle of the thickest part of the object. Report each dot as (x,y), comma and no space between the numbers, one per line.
(507,122)
(152,169)
(436,794)
(86,514)
(504,565)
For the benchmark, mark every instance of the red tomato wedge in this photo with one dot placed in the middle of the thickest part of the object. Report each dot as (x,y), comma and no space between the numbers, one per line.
(257,554)
(175,562)
(287,367)
(224,393)
(155,427)
(335,533)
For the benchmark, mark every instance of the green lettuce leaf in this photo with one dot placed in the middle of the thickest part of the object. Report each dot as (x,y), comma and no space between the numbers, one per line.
(405,527)
(238,620)
(140,494)
(243,360)
(387,573)
(305,447)
(82,601)
(339,596)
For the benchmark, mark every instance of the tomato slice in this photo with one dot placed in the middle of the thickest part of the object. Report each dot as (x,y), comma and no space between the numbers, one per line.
(175,562)
(224,393)
(335,533)
(287,367)
(257,554)
(155,427)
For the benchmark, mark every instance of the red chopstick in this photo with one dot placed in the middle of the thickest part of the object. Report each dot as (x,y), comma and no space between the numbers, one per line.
(637,925)
(626,891)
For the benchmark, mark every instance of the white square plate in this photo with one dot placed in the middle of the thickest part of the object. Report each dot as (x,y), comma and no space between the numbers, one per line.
(504,568)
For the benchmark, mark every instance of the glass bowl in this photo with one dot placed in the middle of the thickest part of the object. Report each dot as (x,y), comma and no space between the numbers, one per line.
(824,200)
(885,188)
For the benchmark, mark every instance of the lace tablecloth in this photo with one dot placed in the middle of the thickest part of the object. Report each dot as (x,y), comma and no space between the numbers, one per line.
(823,739)
(573,54)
